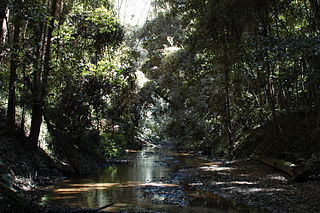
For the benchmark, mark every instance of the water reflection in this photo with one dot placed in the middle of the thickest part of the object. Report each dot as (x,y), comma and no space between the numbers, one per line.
(124,185)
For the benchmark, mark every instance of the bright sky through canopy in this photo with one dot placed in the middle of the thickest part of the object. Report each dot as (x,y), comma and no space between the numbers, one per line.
(133,12)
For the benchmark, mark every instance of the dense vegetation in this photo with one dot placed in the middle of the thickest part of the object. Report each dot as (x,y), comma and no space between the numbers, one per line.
(228,77)
(67,62)
(231,78)
(239,76)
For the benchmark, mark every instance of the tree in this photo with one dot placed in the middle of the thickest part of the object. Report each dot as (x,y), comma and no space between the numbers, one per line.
(246,53)
(3,20)
(40,83)
(14,63)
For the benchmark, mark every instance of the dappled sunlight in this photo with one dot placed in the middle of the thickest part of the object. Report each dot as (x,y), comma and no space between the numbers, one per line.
(276,177)
(160,184)
(182,154)
(208,164)
(93,185)
(127,191)
(243,182)
(216,168)
(250,190)
(244,175)
(78,188)
(233,183)
(84,187)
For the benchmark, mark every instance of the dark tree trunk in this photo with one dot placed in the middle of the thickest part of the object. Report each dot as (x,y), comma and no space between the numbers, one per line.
(40,92)
(36,121)
(11,109)
(226,70)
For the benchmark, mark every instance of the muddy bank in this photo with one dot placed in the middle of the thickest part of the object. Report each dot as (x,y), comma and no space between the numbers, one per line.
(249,183)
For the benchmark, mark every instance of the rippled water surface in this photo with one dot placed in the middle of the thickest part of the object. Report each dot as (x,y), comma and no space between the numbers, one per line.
(141,185)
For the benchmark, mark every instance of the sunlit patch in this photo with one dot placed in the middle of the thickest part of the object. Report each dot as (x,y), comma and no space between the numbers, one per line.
(84,187)
(160,184)
(251,190)
(78,188)
(207,164)
(195,184)
(218,183)
(276,177)
(93,185)
(74,190)
(223,173)
(132,151)
(233,183)
(244,175)
(216,168)
(182,154)
(243,182)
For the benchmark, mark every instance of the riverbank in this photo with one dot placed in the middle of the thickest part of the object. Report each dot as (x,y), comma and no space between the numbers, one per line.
(24,168)
(185,180)
(250,183)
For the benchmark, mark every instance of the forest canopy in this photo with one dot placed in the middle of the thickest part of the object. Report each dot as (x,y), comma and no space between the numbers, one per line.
(67,63)
(243,76)
(228,77)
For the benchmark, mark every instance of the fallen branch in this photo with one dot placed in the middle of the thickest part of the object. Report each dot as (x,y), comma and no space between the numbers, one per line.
(291,169)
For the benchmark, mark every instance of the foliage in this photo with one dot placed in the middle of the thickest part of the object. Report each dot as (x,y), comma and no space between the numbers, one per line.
(111,145)
(75,70)
(236,65)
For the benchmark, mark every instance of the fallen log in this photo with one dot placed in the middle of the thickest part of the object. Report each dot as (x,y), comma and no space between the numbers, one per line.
(23,204)
(291,169)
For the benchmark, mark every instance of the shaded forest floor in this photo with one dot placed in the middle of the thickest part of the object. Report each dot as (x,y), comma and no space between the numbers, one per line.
(256,185)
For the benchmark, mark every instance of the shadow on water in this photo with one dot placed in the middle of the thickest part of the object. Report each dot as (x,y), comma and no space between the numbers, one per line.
(137,186)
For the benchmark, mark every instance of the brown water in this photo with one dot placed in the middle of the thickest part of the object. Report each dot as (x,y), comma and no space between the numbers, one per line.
(141,185)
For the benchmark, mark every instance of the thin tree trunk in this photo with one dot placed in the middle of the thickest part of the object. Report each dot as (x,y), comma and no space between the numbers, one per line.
(3,17)
(227,98)
(11,109)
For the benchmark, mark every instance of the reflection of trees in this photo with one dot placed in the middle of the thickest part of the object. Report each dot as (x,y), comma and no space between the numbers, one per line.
(115,184)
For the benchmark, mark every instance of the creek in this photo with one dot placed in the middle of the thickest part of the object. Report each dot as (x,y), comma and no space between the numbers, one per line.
(143,183)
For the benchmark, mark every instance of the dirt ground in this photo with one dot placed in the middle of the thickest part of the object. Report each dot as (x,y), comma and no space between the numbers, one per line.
(253,184)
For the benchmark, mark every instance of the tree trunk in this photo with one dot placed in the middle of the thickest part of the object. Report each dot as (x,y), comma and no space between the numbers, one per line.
(11,109)
(41,92)
(227,95)
(294,171)
(36,121)
(3,18)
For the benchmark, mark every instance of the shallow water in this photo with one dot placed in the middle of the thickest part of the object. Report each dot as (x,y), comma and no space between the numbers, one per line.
(142,184)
